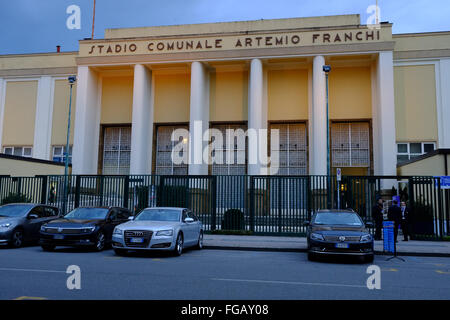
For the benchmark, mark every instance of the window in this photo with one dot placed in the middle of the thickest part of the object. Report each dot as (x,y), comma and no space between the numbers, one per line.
(350,144)
(230,155)
(116,150)
(409,150)
(164,147)
(19,151)
(292,149)
(59,154)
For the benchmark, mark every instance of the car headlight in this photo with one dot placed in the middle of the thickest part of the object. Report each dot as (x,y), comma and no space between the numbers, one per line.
(118,231)
(317,236)
(366,238)
(166,233)
(5,225)
(88,229)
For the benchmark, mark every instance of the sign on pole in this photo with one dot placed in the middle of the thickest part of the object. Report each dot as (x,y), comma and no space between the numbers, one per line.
(445,182)
(388,237)
(339,174)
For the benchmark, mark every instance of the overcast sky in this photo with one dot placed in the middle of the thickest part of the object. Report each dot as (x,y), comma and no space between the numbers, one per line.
(29,26)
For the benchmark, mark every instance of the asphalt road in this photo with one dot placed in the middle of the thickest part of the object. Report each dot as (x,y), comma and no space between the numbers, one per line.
(30,273)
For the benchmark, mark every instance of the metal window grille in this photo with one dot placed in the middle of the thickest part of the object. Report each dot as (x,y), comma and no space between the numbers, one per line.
(292,149)
(164,147)
(231,154)
(116,151)
(350,146)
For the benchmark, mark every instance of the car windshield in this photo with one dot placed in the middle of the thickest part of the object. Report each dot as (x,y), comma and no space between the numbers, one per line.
(15,210)
(87,213)
(338,218)
(159,215)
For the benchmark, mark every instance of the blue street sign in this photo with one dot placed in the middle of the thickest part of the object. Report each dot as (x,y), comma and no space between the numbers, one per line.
(388,236)
(445,182)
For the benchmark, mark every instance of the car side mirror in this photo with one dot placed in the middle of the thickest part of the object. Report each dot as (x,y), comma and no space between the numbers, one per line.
(188,220)
(131,218)
(369,224)
(306,223)
(32,216)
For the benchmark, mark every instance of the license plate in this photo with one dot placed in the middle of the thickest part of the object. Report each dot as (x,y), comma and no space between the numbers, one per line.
(137,240)
(58,237)
(342,245)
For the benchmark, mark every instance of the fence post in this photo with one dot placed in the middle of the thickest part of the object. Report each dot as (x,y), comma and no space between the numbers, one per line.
(101,189)
(280,182)
(126,185)
(43,189)
(77,191)
(213,205)
(440,209)
(252,204)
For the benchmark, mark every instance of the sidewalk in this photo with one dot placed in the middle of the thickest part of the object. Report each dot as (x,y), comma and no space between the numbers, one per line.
(295,244)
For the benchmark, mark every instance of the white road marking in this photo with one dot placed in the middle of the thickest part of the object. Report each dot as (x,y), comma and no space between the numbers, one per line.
(31,270)
(293,283)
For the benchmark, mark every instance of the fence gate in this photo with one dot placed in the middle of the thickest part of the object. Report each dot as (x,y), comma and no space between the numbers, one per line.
(278,204)
(197,193)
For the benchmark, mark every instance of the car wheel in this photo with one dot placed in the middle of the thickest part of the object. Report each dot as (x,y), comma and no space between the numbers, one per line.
(120,252)
(369,259)
(100,242)
(178,245)
(200,241)
(48,247)
(311,256)
(17,238)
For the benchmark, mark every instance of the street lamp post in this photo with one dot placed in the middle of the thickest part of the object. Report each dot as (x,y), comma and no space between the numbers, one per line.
(327,69)
(72,80)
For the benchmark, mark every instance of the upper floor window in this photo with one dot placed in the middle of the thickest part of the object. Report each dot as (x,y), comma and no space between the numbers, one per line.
(19,151)
(59,154)
(409,150)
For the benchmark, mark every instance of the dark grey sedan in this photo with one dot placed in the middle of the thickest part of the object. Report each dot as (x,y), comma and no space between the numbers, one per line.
(21,222)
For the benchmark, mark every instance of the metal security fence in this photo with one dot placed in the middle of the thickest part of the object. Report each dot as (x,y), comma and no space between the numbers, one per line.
(274,205)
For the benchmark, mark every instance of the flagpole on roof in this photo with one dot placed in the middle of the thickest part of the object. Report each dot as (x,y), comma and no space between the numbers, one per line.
(93,22)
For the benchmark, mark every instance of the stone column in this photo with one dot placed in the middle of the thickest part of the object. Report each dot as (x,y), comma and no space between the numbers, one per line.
(87,122)
(318,119)
(199,118)
(43,119)
(142,122)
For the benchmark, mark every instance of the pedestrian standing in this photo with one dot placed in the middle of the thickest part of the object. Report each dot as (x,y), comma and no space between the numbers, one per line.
(377,216)
(395,214)
(405,221)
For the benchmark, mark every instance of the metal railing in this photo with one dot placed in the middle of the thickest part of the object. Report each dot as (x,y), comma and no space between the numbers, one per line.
(276,205)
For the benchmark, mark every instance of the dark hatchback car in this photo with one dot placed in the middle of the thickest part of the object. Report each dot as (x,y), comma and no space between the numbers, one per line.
(339,232)
(84,226)
(20,222)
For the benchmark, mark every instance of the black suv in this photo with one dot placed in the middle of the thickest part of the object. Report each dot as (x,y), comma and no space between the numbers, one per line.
(84,226)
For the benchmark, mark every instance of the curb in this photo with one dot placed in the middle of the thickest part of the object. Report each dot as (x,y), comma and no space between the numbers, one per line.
(378,253)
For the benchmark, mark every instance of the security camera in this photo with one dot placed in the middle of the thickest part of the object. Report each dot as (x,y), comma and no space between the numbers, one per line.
(326,68)
(72,79)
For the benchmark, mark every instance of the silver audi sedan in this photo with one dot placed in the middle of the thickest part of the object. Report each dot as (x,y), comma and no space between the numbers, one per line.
(169,229)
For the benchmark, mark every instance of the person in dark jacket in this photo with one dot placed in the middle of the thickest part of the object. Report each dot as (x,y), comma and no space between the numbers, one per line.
(377,216)
(405,220)
(395,214)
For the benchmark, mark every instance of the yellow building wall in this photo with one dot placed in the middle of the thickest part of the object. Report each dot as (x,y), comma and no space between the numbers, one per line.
(61,113)
(350,93)
(19,114)
(432,166)
(172,97)
(19,168)
(287,94)
(415,103)
(117,100)
(229,96)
